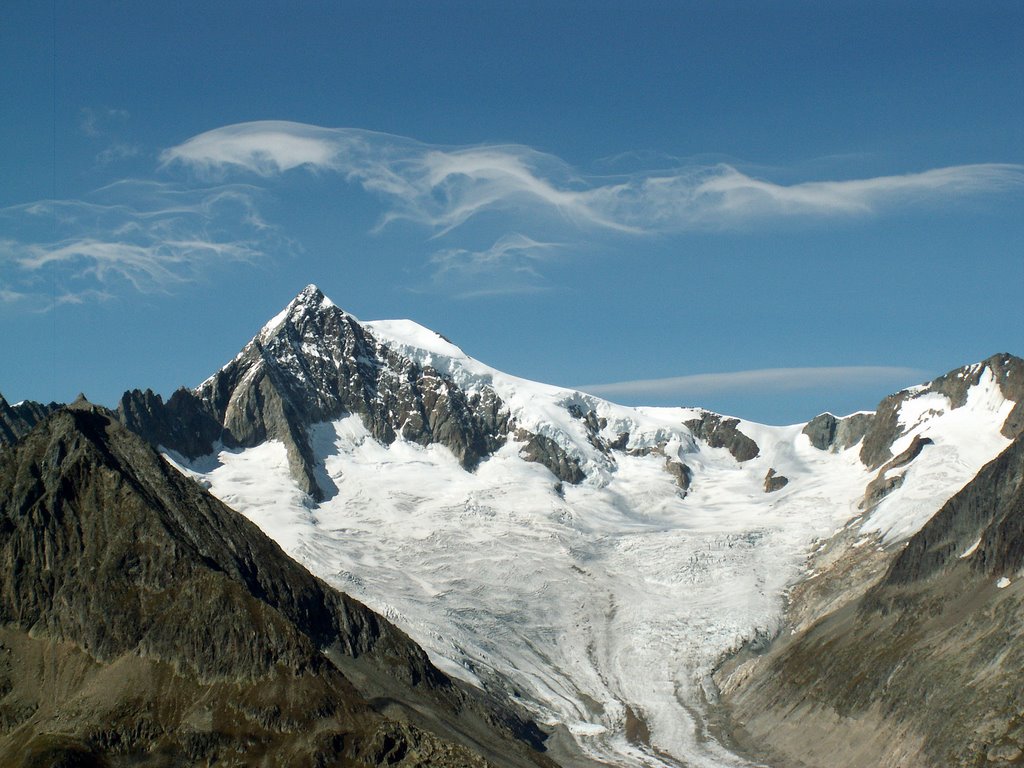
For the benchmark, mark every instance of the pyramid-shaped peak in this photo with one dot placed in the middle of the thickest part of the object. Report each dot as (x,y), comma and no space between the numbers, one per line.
(311,291)
(311,296)
(309,301)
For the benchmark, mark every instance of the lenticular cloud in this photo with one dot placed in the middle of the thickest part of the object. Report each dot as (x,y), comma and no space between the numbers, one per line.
(443,187)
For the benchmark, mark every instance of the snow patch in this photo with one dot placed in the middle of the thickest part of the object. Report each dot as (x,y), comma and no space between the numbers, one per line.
(971,549)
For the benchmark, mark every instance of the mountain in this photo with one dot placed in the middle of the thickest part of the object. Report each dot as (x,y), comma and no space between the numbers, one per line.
(142,622)
(923,666)
(313,363)
(591,561)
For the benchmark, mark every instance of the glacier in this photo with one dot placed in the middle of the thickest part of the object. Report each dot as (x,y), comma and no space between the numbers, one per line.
(603,607)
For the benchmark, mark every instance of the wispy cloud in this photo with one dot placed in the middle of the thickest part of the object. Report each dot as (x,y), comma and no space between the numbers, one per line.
(764,380)
(108,126)
(146,236)
(117,152)
(508,266)
(444,187)
(95,122)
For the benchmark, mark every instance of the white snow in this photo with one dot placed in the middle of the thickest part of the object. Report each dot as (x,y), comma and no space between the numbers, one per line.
(971,549)
(611,594)
(1003,583)
(965,439)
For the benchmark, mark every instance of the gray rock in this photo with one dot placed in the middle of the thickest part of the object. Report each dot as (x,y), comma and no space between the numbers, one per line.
(885,428)
(544,450)
(882,485)
(988,511)
(319,364)
(183,423)
(826,432)
(681,473)
(720,432)
(821,431)
(17,420)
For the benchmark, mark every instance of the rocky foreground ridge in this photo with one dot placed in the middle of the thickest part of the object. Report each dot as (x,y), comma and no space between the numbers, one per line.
(142,622)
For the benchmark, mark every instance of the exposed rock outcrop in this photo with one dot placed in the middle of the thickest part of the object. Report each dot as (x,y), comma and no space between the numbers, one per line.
(184,423)
(17,420)
(826,432)
(774,481)
(545,451)
(721,432)
(1006,370)
(315,363)
(884,483)
(681,473)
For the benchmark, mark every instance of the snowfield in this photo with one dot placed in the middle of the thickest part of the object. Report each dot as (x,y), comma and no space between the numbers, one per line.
(601,607)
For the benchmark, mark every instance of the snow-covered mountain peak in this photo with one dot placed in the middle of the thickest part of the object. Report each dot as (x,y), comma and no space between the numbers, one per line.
(414,340)
(314,363)
(596,558)
(310,300)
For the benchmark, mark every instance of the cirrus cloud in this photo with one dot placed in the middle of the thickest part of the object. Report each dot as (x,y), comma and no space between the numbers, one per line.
(443,187)
(148,236)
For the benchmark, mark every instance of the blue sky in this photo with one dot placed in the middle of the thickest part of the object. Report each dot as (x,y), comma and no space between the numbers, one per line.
(768,209)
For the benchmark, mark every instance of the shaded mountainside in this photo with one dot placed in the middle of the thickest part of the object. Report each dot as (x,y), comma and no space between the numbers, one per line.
(143,622)
(923,669)
(17,420)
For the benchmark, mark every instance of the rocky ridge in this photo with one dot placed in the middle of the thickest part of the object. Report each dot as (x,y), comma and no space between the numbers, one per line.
(18,419)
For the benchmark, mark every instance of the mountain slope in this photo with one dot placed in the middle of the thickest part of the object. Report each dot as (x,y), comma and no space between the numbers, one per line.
(924,668)
(145,623)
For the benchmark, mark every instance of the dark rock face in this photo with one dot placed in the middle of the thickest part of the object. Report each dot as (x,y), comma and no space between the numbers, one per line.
(720,432)
(547,452)
(924,668)
(821,431)
(594,424)
(882,485)
(826,432)
(84,496)
(18,420)
(177,633)
(681,473)
(988,515)
(885,428)
(184,423)
(774,482)
(317,363)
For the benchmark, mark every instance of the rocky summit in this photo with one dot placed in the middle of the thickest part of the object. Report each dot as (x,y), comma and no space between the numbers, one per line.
(312,363)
